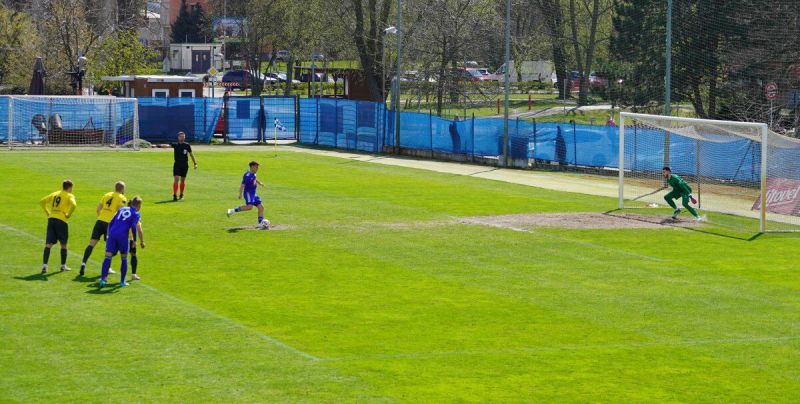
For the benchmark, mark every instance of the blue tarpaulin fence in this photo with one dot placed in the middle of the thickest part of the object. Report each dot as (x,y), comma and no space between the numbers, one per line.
(160,119)
(369,126)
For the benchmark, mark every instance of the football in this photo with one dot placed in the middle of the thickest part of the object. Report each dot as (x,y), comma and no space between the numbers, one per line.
(264,225)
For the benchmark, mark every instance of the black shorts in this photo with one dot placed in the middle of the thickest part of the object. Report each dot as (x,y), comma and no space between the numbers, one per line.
(100,229)
(180,170)
(57,231)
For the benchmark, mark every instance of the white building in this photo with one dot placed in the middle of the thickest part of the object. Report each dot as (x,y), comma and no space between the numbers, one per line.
(195,58)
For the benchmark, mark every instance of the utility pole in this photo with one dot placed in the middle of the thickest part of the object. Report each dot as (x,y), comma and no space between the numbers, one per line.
(506,82)
(668,63)
(396,93)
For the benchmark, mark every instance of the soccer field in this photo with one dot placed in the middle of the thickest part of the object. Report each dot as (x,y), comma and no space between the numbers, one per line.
(372,288)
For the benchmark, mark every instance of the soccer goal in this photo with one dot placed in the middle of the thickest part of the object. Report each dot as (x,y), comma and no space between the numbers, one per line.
(63,121)
(731,166)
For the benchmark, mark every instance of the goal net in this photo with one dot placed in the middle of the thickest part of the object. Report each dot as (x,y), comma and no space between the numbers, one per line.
(62,121)
(731,167)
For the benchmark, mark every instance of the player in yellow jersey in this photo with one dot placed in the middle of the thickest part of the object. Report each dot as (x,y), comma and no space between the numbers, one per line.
(106,209)
(59,207)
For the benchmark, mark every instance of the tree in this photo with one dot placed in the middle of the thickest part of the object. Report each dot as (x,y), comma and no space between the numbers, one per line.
(553,17)
(709,38)
(17,48)
(637,50)
(365,22)
(595,13)
(66,34)
(259,31)
(121,53)
(191,25)
(448,32)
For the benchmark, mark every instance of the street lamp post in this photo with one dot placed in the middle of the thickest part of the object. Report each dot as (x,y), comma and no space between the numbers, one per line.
(390,30)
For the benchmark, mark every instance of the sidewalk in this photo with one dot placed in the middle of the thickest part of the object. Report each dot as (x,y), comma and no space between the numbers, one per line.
(557,181)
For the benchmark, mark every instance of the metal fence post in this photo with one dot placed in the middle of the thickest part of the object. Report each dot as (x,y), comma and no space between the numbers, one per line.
(535,143)
(430,129)
(472,130)
(574,144)
(262,117)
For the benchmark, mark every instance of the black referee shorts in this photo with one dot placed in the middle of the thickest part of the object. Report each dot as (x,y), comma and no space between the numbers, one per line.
(180,170)
(100,229)
(57,231)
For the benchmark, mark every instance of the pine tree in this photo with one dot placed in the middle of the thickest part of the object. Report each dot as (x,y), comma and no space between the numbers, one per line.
(182,27)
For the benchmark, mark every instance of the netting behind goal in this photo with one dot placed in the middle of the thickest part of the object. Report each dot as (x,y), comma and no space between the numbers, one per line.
(726,164)
(54,121)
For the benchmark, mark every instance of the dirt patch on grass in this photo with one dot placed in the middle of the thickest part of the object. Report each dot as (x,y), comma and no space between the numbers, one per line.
(578,221)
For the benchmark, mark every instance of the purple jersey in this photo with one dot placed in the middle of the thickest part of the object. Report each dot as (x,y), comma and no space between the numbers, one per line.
(123,222)
(249,182)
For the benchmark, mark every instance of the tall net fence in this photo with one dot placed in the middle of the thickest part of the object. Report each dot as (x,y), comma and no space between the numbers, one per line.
(36,121)
(724,164)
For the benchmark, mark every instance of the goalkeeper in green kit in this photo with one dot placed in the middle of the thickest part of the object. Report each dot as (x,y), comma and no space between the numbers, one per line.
(680,189)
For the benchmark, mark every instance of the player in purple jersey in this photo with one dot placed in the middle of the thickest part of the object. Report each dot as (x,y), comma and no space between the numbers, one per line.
(125,220)
(248,191)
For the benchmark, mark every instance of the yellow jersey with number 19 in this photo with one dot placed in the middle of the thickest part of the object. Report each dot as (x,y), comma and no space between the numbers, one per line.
(59,205)
(110,203)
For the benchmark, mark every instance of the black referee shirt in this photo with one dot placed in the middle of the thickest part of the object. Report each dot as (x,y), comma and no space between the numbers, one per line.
(181,152)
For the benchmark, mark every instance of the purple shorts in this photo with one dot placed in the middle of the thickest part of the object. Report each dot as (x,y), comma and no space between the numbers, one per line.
(115,244)
(250,198)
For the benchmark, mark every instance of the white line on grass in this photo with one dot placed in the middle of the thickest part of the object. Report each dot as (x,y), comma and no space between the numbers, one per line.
(230,321)
(569,347)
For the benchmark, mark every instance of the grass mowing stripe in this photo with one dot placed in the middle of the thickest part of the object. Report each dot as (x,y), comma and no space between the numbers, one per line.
(196,307)
(588,347)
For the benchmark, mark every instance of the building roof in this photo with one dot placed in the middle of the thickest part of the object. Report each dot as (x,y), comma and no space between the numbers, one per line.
(150,78)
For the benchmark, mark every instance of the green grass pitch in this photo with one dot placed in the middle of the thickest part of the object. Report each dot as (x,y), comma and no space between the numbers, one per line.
(370,294)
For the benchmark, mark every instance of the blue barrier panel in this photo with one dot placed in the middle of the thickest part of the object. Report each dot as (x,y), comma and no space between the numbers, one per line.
(369,126)
(308,121)
(245,120)
(4,119)
(281,108)
(160,119)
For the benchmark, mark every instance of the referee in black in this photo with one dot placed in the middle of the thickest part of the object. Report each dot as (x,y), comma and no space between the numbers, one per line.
(180,167)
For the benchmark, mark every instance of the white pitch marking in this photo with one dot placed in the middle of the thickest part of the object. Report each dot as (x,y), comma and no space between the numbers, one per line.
(261,335)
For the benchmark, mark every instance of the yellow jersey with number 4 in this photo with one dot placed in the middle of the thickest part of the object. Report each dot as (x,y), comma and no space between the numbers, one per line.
(59,205)
(110,203)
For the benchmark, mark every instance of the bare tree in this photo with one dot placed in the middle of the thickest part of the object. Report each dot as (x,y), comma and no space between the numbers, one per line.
(449,32)
(585,39)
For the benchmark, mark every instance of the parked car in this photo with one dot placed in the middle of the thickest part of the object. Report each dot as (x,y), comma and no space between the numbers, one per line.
(479,74)
(240,79)
(595,80)
(280,77)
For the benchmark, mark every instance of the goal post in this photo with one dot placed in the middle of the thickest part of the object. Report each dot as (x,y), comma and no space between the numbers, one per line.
(731,167)
(69,121)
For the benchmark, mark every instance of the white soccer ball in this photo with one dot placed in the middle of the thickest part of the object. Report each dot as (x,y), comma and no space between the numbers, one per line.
(264,225)
(652,205)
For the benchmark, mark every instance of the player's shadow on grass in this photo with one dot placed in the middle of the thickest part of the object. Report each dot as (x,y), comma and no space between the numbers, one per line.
(704,230)
(165,201)
(240,228)
(36,276)
(86,279)
(108,289)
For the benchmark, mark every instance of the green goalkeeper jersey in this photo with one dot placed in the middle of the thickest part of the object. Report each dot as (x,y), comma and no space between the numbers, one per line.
(679,185)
